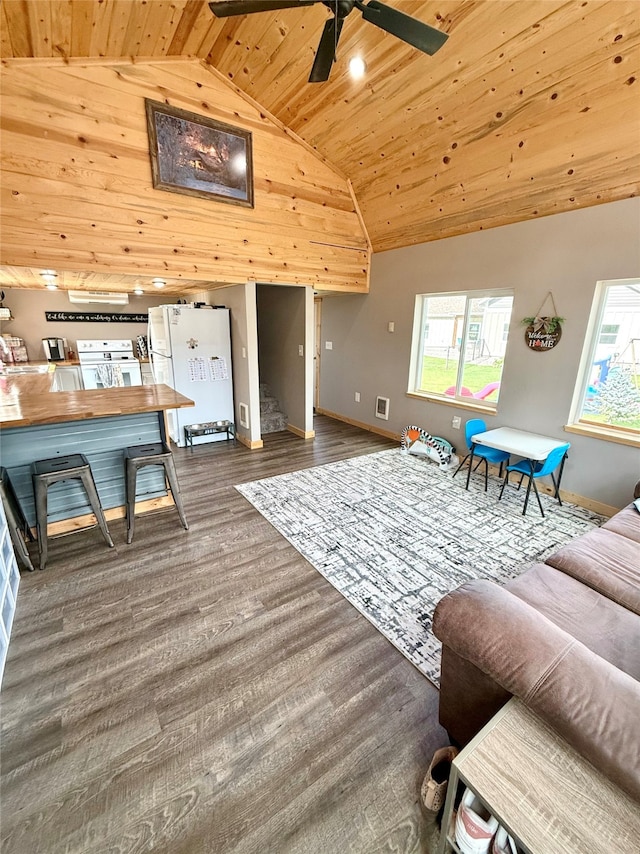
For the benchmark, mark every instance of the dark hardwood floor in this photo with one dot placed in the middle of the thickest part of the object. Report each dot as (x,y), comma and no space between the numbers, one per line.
(209,691)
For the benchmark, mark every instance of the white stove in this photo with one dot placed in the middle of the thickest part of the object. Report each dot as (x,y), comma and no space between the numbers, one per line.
(108,364)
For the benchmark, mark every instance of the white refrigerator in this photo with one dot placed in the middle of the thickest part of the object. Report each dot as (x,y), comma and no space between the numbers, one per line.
(190,351)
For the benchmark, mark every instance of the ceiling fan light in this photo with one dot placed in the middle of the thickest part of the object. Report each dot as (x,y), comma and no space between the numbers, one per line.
(357,67)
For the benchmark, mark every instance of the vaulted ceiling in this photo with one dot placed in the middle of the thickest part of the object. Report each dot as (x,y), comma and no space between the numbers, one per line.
(530,108)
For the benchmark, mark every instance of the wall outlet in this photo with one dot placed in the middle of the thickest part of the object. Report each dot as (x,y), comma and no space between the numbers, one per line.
(391,326)
(328,345)
(357,397)
(455,422)
(244,352)
(300,349)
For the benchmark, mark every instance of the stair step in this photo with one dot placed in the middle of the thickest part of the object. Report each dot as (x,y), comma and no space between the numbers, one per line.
(272,419)
(273,422)
(269,404)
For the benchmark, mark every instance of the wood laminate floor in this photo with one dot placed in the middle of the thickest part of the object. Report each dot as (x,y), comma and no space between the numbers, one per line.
(209,691)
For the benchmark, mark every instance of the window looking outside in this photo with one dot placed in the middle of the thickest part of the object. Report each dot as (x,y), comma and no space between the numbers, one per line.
(609,388)
(459,344)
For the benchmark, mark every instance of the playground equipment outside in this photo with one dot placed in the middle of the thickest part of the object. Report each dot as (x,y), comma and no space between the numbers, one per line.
(481,380)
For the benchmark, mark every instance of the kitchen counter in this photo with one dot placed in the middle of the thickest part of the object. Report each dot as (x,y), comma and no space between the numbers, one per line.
(27,400)
(37,423)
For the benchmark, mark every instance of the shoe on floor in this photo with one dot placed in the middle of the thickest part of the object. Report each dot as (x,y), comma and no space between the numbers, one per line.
(475,826)
(503,843)
(434,785)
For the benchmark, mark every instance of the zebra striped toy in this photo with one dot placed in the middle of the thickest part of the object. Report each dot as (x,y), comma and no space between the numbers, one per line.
(417,441)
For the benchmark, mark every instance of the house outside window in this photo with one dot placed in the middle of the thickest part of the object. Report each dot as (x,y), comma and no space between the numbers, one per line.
(607,394)
(459,344)
(609,333)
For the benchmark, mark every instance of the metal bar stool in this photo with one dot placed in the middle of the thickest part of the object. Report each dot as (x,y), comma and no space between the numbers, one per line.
(44,473)
(18,526)
(152,454)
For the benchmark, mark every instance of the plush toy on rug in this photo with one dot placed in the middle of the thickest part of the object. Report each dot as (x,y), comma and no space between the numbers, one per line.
(418,442)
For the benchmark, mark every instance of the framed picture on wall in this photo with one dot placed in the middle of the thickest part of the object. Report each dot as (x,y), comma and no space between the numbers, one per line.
(198,156)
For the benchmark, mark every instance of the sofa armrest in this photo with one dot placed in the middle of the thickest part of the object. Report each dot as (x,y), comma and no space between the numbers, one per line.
(589,702)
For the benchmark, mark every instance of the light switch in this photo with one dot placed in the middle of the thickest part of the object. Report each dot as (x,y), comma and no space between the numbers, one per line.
(391,326)
(244,352)
(300,349)
(328,345)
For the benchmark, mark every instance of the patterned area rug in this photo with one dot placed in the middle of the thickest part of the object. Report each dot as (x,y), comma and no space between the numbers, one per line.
(393,533)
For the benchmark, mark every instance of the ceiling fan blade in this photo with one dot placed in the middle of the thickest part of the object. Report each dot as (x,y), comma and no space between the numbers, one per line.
(228,8)
(326,53)
(414,32)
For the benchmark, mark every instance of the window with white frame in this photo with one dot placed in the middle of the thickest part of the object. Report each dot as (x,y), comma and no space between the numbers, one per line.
(608,389)
(459,344)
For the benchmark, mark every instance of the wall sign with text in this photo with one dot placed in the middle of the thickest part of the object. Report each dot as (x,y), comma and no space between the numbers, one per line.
(542,333)
(95,317)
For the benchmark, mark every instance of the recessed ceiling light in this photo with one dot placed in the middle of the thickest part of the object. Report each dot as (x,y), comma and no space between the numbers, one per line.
(158,283)
(357,67)
(50,278)
(138,291)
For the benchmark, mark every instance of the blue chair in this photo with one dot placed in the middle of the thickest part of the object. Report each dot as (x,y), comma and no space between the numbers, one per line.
(489,455)
(533,470)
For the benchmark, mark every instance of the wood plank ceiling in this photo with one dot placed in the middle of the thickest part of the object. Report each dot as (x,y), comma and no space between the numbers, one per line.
(530,108)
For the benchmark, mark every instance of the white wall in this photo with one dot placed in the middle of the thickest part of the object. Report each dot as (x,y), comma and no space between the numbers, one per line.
(241,301)
(567,254)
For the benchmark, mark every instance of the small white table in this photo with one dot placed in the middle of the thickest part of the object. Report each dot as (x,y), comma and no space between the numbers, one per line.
(531,446)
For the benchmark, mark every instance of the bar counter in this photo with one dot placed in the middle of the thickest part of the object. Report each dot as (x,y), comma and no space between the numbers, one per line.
(38,423)
(27,400)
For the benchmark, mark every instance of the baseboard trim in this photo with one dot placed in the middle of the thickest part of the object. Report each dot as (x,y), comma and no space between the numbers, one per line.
(88,520)
(304,434)
(569,497)
(252,444)
(369,427)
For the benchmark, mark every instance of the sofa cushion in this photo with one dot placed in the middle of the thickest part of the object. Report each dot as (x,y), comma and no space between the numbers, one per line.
(603,626)
(605,561)
(626,523)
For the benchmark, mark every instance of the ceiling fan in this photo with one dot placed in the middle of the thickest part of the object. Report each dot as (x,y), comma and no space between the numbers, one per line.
(414,32)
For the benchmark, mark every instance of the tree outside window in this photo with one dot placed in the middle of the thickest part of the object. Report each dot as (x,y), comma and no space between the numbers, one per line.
(609,387)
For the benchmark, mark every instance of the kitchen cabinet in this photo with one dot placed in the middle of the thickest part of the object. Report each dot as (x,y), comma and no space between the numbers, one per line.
(147,373)
(68,378)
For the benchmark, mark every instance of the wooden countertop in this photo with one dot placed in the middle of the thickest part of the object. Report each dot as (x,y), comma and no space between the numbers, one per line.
(27,400)
(63,363)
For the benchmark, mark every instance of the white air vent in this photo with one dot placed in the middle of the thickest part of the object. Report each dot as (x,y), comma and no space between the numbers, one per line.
(382,408)
(103,297)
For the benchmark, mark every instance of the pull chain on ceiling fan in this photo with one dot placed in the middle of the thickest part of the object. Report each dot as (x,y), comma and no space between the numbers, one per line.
(410,30)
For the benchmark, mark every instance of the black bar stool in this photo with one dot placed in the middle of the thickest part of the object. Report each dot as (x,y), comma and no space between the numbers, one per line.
(16,522)
(71,467)
(152,454)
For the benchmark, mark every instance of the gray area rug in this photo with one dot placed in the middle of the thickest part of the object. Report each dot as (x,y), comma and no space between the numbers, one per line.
(393,533)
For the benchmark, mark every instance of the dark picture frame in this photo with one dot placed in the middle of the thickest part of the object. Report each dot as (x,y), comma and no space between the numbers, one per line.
(198,156)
